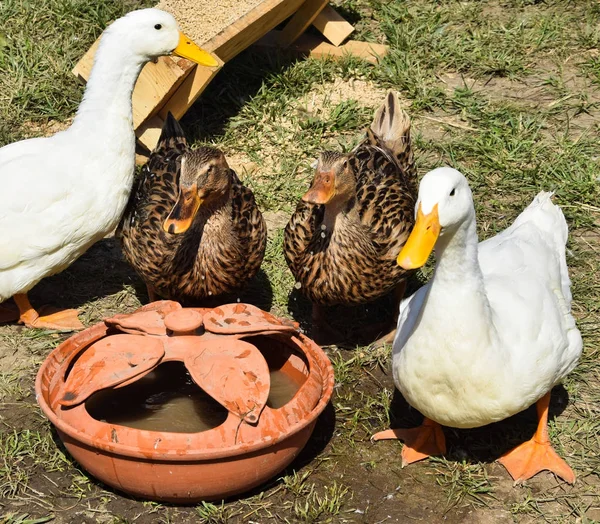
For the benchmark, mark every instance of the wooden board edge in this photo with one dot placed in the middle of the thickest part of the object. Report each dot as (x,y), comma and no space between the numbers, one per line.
(302,18)
(251,27)
(309,45)
(333,26)
(189,90)
(83,67)
(149,132)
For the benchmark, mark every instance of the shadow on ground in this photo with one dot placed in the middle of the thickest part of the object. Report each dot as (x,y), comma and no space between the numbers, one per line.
(237,82)
(357,325)
(487,443)
(99,272)
(102,271)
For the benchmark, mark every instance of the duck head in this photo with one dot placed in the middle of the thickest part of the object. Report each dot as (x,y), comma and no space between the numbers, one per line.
(334,182)
(150,33)
(204,179)
(445,202)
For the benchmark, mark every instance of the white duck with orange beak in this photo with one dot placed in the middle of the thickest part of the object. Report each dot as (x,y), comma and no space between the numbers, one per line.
(492,333)
(62,193)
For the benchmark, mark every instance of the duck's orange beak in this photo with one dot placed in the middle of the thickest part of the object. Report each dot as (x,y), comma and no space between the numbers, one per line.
(184,211)
(322,189)
(187,49)
(421,241)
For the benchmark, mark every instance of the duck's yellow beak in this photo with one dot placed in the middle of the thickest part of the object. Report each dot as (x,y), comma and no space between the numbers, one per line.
(187,49)
(421,241)
(322,189)
(184,211)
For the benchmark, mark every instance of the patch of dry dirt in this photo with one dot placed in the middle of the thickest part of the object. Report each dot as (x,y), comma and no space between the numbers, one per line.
(281,133)
(326,96)
(275,220)
(35,129)
(550,87)
(240,162)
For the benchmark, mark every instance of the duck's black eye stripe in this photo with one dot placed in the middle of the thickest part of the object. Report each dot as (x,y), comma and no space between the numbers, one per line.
(452,192)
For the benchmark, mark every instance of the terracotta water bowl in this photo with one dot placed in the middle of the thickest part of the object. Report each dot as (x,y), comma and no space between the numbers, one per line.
(229,352)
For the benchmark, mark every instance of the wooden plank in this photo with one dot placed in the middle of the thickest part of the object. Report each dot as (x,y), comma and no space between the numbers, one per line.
(310,45)
(230,41)
(141,158)
(149,132)
(189,90)
(305,15)
(333,26)
(83,68)
(156,84)
(226,45)
(251,27)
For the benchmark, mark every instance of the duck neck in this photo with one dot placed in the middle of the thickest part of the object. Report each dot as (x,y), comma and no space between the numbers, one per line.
(106,104)
(217,210)
(456,253)
(457,287)
(339,208)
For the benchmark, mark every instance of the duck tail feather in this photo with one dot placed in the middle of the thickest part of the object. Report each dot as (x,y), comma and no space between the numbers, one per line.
(549,219)
(391,129)
(172,133)
(547,216)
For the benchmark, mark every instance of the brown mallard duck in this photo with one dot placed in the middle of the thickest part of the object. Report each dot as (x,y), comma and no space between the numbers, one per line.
(342,242)
(191,229)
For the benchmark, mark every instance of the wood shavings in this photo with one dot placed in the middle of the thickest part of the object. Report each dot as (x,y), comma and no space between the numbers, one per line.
(202,20)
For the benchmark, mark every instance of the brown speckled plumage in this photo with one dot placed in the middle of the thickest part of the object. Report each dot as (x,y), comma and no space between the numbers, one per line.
(221,250)
(350,257)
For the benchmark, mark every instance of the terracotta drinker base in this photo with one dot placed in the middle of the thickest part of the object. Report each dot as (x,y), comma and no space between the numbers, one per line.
(229,352)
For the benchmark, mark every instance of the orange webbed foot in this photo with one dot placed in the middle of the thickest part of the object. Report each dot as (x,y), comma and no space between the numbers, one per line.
(419,443)
(531,457)
(535,455)
(65,320)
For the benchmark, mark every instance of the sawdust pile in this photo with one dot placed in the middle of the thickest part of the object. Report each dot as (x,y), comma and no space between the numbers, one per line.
(201,20)
(323,98)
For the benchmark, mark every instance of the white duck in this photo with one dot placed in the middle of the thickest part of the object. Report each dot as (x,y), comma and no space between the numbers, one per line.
(492,332)
(62,193)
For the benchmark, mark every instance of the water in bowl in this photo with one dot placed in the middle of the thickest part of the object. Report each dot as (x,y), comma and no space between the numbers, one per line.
(167,399)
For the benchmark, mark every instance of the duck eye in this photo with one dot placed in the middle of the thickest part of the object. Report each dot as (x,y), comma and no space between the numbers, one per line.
(158,27)
(452,192)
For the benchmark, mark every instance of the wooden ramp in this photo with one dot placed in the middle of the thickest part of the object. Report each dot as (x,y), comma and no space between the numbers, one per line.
(173,84)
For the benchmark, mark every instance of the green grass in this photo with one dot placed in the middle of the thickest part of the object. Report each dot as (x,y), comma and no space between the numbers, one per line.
(209,513)
(320,506)
(507,91)
(40,43)
(23,518)
(464,482)
(22,452)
